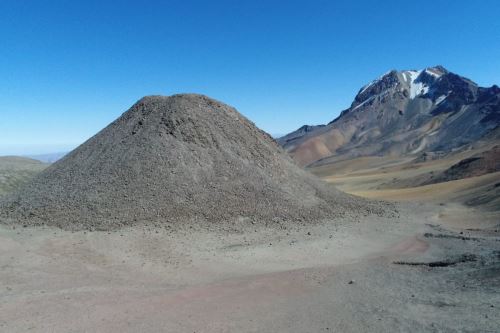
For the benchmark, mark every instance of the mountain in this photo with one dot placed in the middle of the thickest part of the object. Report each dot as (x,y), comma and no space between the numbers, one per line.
(178,159)
(48,158)
(402,113)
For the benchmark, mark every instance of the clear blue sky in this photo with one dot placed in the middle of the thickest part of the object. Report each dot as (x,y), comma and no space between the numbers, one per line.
(68,68)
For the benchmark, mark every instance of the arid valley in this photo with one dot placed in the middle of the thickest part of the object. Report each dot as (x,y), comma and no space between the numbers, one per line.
(249,166)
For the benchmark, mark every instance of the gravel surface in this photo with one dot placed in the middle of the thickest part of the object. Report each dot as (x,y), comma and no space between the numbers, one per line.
(337,276)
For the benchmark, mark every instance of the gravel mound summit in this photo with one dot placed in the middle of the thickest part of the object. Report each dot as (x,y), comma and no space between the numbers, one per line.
(177,159)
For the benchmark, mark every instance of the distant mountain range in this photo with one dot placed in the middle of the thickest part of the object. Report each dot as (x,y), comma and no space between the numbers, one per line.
(402,113)
(48,158)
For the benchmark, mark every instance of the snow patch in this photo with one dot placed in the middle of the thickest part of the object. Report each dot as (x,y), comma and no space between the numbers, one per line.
(418,87)
(364,102)
(413,75)
(415,87)
(405,78)
(430,72)
(440,99)
(367,86)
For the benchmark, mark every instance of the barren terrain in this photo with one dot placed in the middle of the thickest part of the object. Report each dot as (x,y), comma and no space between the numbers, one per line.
(431,269)
(403,179)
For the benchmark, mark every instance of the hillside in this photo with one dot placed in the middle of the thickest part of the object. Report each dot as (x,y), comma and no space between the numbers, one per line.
(16,171)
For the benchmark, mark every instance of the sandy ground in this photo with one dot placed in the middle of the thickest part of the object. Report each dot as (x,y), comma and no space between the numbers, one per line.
(455,190)
(376,275)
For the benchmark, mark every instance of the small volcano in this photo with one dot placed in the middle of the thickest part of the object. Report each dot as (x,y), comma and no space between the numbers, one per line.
(178,159)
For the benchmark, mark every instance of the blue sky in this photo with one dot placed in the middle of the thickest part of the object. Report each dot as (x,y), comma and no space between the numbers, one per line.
(68,68)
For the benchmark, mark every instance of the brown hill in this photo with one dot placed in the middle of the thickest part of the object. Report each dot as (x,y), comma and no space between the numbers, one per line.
(477,165)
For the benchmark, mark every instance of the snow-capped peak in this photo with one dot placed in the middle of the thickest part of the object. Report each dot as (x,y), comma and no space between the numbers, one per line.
(417,83)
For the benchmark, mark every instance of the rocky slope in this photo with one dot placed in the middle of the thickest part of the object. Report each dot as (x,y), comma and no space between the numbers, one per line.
(402,113)
(178,159)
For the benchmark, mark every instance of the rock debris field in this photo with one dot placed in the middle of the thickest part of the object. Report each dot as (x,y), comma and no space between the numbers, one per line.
(178,160)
